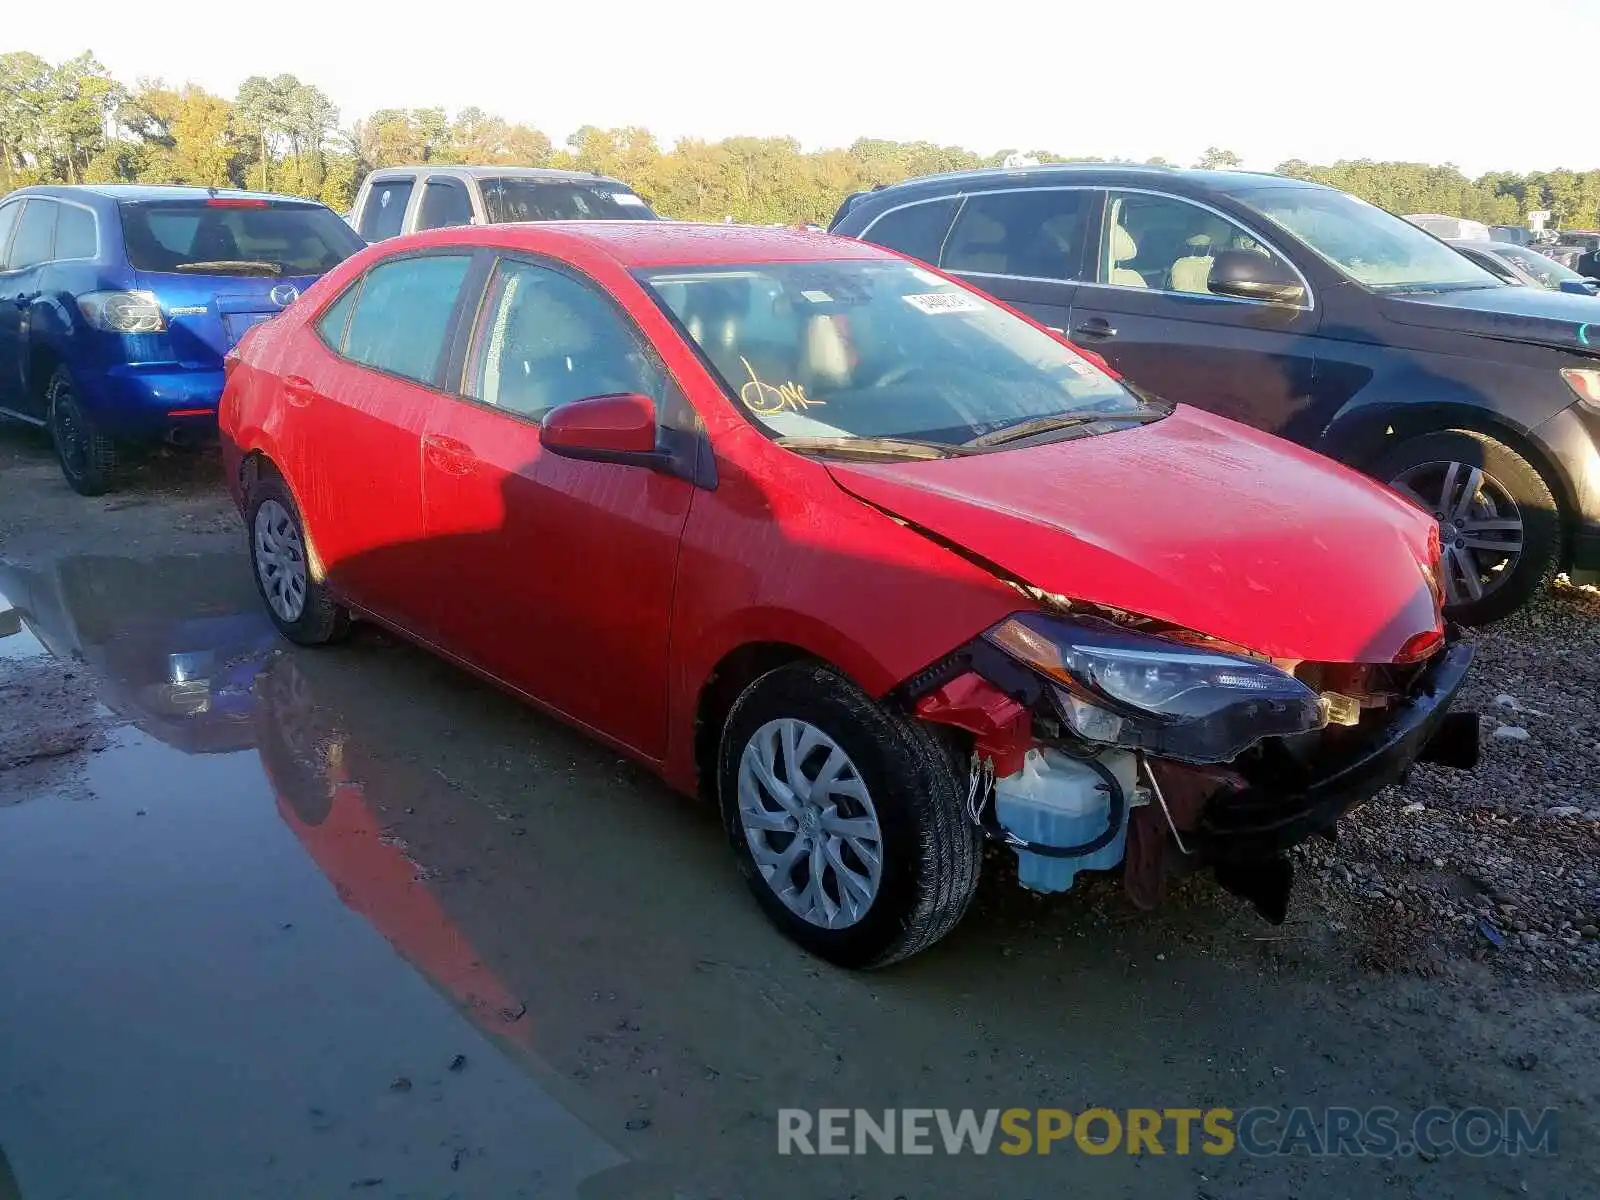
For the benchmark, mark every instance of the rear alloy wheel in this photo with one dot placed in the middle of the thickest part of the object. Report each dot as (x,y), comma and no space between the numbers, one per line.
(847,818)
(300,606)
(1499,530)
(88,459)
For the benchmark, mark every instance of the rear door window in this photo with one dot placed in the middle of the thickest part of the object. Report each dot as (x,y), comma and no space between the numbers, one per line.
(444,202)
(402,316)
(1037,233)
(8,222)
(75,233)
(36,234)
(385,213)
(916,229)
(229,237)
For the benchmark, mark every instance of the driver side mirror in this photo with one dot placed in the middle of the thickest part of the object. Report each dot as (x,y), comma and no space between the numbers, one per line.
(1246,275)
(617,429)
(1580,287)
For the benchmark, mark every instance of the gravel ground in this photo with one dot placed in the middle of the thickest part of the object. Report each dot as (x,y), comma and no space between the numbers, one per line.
(1501,864)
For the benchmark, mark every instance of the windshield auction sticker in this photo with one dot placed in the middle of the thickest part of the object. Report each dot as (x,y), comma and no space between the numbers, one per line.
(943,302)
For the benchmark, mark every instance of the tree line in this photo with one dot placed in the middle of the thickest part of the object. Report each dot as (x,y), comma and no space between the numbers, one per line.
(72,122)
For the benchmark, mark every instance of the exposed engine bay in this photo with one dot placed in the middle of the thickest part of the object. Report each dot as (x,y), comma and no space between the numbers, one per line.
(1098,743)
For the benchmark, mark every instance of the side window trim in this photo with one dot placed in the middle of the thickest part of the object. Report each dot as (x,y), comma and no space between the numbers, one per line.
(94,218)
(353,291)
(5,244)
(452,323)
(1102,254)
(26,203)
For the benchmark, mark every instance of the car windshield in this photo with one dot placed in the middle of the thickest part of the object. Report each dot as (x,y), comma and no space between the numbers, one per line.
(882,350)
(232,237)
(1547,271)
(1371,246)
(513,199)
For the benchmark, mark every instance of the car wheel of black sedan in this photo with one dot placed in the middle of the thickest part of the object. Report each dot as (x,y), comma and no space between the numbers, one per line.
(847,818)
(88,459)
(299,604)
(1499,529)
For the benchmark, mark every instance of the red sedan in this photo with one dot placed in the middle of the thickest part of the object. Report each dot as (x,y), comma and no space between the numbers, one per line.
(878,564)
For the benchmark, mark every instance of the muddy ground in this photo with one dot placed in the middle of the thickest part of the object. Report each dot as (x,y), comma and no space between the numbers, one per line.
(284,923)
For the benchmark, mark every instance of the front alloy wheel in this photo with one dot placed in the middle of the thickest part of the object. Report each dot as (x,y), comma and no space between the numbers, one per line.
(1499,528)
(1480,526)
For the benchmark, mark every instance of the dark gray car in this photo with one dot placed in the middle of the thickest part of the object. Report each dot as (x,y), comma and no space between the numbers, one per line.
(1306,312)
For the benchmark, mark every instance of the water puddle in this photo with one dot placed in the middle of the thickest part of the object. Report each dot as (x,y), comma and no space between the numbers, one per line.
(226,974)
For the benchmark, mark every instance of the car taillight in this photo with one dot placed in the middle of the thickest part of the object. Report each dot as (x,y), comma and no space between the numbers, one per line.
(1585,383)
(123,312)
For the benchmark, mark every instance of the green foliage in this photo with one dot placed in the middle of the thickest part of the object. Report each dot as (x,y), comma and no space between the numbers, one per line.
(71,122)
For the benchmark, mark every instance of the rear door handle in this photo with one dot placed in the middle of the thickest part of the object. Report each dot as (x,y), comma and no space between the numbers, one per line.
(448,455)
(1096,327)
(299,391)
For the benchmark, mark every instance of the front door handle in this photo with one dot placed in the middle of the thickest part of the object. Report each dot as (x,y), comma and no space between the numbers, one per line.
(300,391)
(449,455)
(1096,327)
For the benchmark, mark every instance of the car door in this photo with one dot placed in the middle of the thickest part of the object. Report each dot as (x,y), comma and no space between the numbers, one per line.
(32,243)
(553,574)
(1146,307)
(444,202)
(355,399)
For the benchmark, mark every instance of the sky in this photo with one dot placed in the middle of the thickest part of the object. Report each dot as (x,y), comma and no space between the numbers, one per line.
(1487,86)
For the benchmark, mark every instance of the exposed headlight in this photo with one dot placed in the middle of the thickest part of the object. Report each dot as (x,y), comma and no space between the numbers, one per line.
(1152,693)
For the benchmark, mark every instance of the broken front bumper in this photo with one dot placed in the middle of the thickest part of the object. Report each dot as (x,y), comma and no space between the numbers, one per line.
(1261,821)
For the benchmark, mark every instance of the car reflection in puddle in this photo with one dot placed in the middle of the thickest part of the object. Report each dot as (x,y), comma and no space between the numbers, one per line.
(166,913)
(321,779)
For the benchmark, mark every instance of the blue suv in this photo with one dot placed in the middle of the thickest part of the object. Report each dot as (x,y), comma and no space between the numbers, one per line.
(118,303)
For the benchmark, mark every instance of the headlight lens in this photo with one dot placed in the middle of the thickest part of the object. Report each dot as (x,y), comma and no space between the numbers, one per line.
(1151,693)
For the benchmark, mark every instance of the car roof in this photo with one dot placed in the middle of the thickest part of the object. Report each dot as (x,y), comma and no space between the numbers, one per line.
(154,191)
(492,172)
(659,243)
(1104,172)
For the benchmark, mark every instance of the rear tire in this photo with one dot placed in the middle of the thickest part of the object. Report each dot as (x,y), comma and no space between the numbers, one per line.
(1437,470)
(300,605)
(88,458)
(905,781)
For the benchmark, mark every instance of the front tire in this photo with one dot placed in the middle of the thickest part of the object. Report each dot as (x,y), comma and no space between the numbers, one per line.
(88,458)
(1499,526)
(300,605)
(847,818)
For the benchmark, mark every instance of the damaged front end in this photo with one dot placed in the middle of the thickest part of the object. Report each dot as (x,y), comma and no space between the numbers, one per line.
(1100,741)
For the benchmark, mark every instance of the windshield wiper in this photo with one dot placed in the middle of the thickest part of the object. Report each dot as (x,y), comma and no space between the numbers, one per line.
(1034,426)
(233,264)
(873,447)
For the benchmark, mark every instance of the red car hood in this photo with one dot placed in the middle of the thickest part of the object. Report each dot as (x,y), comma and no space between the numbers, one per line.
(1193,520)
